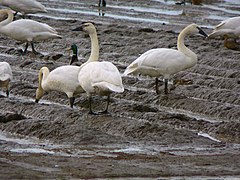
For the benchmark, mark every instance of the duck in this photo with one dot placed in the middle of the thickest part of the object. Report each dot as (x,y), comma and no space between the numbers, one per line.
(228,28)
(5,76)
(26,30)
(24,6)
(98,78)
(74,57)
(62,79)
(164,61)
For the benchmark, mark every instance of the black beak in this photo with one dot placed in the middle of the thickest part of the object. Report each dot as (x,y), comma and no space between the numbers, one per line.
(80,28)
(202,32)
(36,100)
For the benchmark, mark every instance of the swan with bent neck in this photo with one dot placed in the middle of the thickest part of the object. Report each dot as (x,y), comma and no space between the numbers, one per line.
(26,30)
(98,78)
(5,76)
(62,79)
(24,6)
(166,62)
(65,78)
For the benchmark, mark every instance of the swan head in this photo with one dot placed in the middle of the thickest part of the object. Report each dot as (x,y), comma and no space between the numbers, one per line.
(39,94)
(194,29)
(74,49)
(88,27)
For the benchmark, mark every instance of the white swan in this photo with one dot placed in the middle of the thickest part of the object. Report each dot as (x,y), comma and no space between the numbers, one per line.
(5,76)
(166,62)
(24,6)
(229,28)
(26,30)
(62,79)
(101,78)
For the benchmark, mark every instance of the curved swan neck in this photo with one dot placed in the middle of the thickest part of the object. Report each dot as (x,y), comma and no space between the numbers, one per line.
(94,56)
(9,18)
(43,74)
(181,46)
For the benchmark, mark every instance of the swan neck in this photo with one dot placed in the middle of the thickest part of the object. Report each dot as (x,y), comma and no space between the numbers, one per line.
(94,56)
(181,45)
(8,20)
(43,74)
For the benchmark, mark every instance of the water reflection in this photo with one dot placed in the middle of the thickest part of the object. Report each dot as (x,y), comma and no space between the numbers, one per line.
(102,7)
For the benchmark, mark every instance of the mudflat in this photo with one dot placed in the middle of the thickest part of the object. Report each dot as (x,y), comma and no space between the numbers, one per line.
(192,132)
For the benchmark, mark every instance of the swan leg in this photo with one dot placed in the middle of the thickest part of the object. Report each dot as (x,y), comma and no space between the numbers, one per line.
(33,49)
(26,47)
(7,92)
(106,110)
(166,86)
(71,101)
(156,85)
(90,105)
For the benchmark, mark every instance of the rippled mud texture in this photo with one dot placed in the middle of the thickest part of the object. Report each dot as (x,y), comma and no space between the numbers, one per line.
(192,132)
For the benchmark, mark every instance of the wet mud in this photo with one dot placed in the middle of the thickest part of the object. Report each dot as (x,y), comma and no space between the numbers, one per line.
(192,132)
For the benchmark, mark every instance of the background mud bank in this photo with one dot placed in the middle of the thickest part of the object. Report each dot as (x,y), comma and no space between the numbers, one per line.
(193,131)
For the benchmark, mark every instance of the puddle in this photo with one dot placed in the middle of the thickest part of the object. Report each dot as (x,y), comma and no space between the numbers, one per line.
(115,16)
(148,10)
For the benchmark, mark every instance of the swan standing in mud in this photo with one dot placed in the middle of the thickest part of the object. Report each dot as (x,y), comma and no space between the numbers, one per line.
(101,78)
(25,30)
(62,79)
(24,6)
(166,62)
(5,76)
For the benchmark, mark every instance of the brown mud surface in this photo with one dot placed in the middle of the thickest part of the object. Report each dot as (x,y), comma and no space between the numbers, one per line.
(193,132)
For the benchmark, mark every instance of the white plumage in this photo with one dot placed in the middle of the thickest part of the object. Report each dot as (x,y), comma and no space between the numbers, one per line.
(62,79)
(24,6)
(26,30)
(166,62)
(229,27)
(5,76)
(101,78)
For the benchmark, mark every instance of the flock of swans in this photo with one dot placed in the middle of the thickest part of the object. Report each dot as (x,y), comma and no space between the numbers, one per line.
(96,77)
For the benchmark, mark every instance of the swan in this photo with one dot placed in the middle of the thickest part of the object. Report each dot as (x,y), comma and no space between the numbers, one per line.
(5,76)
(229,28)
(62,79)
(101,78)
(26,30)
(24,6)
(166,62)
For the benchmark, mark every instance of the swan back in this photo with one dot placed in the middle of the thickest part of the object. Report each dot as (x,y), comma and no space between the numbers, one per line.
(24,6)
(100,78)
(5,72)
(62,79)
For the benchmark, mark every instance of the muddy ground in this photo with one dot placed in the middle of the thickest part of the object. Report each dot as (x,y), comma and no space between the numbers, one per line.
(193,132)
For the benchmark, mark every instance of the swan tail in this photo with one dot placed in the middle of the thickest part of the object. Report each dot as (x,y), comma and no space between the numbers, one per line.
(105,86)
